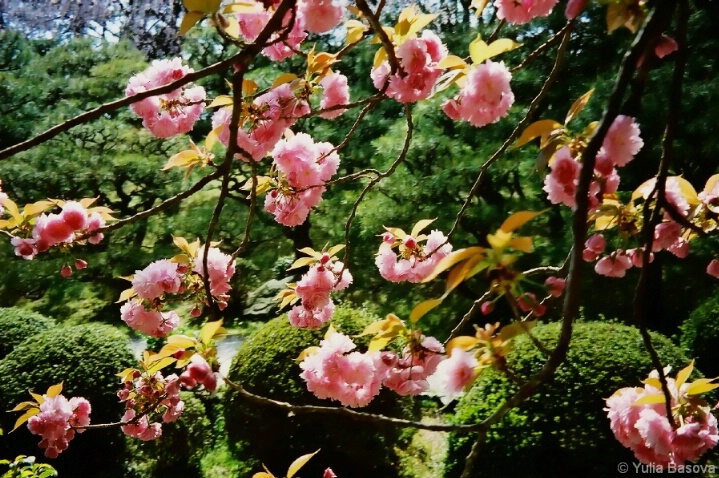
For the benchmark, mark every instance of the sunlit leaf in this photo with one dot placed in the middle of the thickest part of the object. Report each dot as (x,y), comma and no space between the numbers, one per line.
(452,259)
(210,329)
(233,30)
(54,390)
(522,243)
(311,252)
(355,31)
(181,341)
(157,364)
(190,20)
(379,57)
(24,406)
(38,398)
(684,374)
(699,388)
(378,343)
(578,106)
(221,100)
(212,138)
(536,130)
(335,249)
(283,78)
(242,7)
(126,294)
(299,463)
(516,328)
(463,342)
(649,399)
(181,159)
(206,6)
(25,417)
(37,208)
(302,262)
(422,308)
(12,209)
(420,226)
(518,219)
(479,51)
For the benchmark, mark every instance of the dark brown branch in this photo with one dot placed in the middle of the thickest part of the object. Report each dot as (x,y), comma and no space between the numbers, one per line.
(381,34)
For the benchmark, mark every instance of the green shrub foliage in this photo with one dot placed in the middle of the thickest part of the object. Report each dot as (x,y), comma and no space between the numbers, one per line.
(700,336)
(266,365)
(180,448)
(17,324)
(562,430)
(85,358)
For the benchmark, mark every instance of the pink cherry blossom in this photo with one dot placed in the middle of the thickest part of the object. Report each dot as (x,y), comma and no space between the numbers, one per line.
(622,141)
(54,421)
(665,46)
(335,91)
(199,372)
(561,183)
(713,268)
(614,265)
(523,11)
(171,113)
(160,277)
(24,248)
(74,215)
(414,262)
(221,268)
(486,96)
(574,8)
(3,196)
(407,374)
(151,322)
(637,257)
(418,58)
(332,373)
(320,16)
(555,285)
(454,374)
(142,429)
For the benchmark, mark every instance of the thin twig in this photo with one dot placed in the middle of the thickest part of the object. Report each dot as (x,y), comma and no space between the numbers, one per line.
(253,210)
(541,48)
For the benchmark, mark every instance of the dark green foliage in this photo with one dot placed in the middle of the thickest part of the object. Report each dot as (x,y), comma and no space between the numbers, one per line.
(17,325)
(700,336)
(180,448)
(562,430)
(266,365)
(85,358)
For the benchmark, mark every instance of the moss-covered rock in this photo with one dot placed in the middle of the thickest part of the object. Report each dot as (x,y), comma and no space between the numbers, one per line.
(85,358)
(266,365)
(562,430)
(17,324)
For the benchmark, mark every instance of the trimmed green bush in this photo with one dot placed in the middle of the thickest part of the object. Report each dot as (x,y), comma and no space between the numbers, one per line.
(17,324)
(180,449)
(85,358)
(562,430)
(266,365)
(700,336)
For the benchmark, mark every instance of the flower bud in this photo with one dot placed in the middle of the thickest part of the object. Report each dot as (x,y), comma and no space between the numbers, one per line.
(66,271)
(80,264)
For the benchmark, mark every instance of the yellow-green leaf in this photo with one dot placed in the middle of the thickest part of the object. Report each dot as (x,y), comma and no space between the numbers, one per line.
(299,463)
(262,474)
(379,57)
(307,352)
(452,259)
(420,226)
(355,31)
(190,20)
(422,308)
(54,390)
(463,342)
(522,243)
(157,364)
(38,398)
(182,159)
(516,328)
(12,209)
(181,341)
(500,239)
(25,417)
(384,326)
(455,277)
(684,374)
(206,6)
(24,406)
(518,219)
(284,78)
(378,343)
(653,382)
(479,51)
(687,190)
(335,249)
(536,130)
(699,388)
(36,208)
(649,399)
(302,262)
(311,252)
(126,294)
(451,62)
(233,30)
(578,106)
(221,100)
(210,329)
(212,138)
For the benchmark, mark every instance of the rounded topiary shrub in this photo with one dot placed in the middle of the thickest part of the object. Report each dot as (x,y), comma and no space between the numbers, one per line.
(700,336)
(180,448)
(266,365)
(17,324)
(85,358)
(562,430)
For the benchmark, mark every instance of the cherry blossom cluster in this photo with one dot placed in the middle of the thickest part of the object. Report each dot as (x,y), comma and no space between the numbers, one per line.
(485,97)
(143,394)
(58,421)
(314,16)
(172,113)
(60,230)
(165,280)
(418,58)
(519,12)
(621,143)
(337,372)
(199,372)
(303,166)
(263,122)
(645,430)
(411,262)
(335,91)
(314,289)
